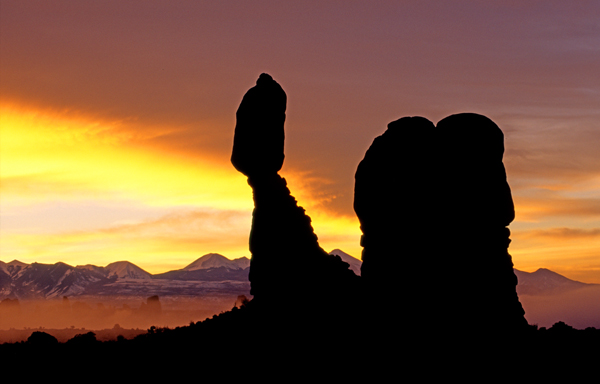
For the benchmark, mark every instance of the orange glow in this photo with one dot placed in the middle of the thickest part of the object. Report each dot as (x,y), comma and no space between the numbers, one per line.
(62,158)
(47,155)
(51,158)
(572,253)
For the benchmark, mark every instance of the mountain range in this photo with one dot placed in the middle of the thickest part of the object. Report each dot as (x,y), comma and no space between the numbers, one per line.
(211,274)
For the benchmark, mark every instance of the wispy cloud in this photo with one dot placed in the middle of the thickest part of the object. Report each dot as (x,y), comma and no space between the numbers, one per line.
(543,205)
(562,234)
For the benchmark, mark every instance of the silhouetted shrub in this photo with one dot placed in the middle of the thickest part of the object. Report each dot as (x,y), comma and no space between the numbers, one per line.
(42,339)
(86,339)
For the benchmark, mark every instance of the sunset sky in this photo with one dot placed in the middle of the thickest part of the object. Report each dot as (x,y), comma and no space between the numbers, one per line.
(117,118)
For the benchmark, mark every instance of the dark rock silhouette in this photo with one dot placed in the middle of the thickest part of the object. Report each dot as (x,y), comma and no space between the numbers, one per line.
(475,212)
(432,202)
(287,265)
(394,188)
(259,135)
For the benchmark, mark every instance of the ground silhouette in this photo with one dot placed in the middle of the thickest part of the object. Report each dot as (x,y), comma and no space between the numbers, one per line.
(228,345)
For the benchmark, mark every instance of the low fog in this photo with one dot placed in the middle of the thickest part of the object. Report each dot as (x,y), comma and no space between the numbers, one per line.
(578,308)
(66,317)
(110,317)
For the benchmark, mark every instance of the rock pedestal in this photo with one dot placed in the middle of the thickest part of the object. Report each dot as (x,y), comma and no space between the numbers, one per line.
(288,267)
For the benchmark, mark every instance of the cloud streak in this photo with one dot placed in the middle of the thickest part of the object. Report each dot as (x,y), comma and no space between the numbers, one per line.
(561,234)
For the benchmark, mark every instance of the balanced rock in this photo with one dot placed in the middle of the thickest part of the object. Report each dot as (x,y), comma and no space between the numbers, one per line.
(259,135)
(287,264)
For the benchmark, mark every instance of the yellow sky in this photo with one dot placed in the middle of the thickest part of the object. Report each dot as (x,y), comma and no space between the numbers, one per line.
(57,165)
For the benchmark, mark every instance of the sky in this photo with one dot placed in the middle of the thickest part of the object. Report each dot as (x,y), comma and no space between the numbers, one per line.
(117,118)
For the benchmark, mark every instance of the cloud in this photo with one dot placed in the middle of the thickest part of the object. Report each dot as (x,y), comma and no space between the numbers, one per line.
(201,224)
(554,148)
(65,155)
(44,185)
(562,234)
(545,205)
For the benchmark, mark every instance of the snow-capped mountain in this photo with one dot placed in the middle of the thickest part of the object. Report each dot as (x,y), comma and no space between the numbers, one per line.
(50,280)
(12,268)
(209,274)
(215,260)
(211,267)
(126,270)
(36,280)
(353,261)
(545,281)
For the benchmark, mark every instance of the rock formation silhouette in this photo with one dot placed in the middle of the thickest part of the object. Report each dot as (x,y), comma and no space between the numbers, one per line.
(287,266)
(476,210)
(259,134)
(394,187)
(433,204)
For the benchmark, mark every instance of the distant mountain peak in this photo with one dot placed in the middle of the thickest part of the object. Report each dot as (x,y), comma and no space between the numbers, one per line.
(551,274)
(12,267)
(543,270)
(126,270)
(355,263)
(215,260)
(544,280)
(121,263)
(17,263)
